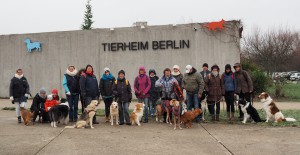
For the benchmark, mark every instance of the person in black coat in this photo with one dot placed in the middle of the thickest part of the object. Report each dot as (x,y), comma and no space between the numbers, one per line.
(19,92)
(38,105)
(154,92)
(89,87)
(105,87)
(123,95)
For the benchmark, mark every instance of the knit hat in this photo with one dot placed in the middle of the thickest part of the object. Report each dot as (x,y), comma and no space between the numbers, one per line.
(121,71)
(42,91)
(215,66)
(188,68)
(152,71)
(54,91)
(227,66)
(176,66)
(106,69)
(205,65)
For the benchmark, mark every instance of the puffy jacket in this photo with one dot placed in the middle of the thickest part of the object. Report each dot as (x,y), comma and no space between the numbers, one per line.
(89,86)
(122,90)
(71,84)
(193,82)
(167,85)
(214,87)
(243,82)
(105,86)
(229,81)
(154,92)
(18,87)
(51,103)
(38,103)
(179,79)
(142,85)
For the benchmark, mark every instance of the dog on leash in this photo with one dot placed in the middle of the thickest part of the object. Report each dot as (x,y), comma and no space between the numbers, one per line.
(203,107)
(59,112)
(249,111)
(176,111)
(87,116)
(114,113)
(137,114)
(271,110)
(164,107)
(27,116)
(189,116)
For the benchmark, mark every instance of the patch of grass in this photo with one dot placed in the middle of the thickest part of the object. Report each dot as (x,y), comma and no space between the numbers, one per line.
(291,92)
(9,108)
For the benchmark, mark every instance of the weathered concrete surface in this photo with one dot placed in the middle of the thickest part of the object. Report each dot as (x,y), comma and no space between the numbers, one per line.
(79,48)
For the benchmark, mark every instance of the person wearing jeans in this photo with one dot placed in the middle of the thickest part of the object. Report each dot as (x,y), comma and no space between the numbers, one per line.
(142,85)
(154,92)
(71,86)
(229,86)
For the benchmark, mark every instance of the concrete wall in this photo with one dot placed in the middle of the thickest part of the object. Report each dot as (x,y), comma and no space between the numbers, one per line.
(79,48)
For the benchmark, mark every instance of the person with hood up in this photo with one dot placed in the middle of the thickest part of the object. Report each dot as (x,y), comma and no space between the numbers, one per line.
(153,92)
(229,86)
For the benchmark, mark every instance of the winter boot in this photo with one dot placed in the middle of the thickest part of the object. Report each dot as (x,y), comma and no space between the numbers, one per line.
(213,118)
(19,119)
(217,118)
(106,119)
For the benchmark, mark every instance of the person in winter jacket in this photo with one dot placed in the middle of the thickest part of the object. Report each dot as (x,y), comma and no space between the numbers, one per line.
(244,85)
(153,92)
(177,75)
(89,87)
(83,105)
(122,92)
(52,100)
(229,86)
(193,84)
(105,87)
(204,73)
(19,92)
(142,85)
(38,105)
(214,86)
(71,85)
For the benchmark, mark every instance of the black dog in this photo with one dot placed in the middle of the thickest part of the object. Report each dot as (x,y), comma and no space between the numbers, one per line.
(59,113)
(249,111)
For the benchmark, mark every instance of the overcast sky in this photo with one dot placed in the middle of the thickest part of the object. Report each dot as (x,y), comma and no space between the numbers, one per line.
(32,16)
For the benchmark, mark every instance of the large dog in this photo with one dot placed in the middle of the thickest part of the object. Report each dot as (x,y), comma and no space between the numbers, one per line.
(203,107)
(176,111)
(271,110)
(249,111)
(114,113)
(27,116)
(87,116)
(59,113)
(189,116)
(164,107)
(137,114)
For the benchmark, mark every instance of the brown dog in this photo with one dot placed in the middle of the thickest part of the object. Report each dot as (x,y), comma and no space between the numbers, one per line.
(176,113)
(27,116)
(137,114)
(164,107)
(189,116)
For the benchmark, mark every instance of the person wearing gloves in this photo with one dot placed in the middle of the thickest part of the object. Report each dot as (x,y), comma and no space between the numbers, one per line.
(153,92)
(38,105)
(142,85)
(19,91)
(71,85)
(89,87)
(106,82)
(193,84)
(122,92)
(52,100)
(177,75)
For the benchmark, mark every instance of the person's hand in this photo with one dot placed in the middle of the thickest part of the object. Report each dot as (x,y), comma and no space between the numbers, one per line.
(27,95)
(143,94)
(49,108)
(11,98)
(199,95)
(68,93)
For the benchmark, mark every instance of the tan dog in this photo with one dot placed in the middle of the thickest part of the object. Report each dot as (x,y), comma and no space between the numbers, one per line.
(114,112)
(137,114)
(27,116)
(189,116)
(159,113)
(164,107)
(87,116)
(176,113)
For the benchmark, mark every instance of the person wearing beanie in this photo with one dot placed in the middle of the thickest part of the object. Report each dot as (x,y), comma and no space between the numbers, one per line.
(193,84)
(215,89)
(105,86)
(142,85)
(82,101)
(122,93)
(71,85)
(52,100)
(166,84)
(37,106)
(244,85)
(19,92)
(154,92)
(177,75)
(204,71)
(89,87)
(229,86)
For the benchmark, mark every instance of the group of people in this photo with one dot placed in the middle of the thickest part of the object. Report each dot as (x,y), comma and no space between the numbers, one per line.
(148,88)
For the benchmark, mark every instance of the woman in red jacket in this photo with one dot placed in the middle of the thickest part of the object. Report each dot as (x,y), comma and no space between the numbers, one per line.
(52,100)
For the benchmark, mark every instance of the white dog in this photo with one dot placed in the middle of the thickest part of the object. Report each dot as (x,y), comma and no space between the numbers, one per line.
(272,111)
(203,108)
(114,112)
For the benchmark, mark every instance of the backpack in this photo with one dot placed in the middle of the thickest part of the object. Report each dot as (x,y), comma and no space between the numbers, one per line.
(126,81)
(232,76)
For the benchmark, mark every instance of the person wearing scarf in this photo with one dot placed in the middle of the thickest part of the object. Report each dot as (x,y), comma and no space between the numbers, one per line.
(177,75)
(19,92)
(229,86)
(71,85)
(89,87)
(106,82)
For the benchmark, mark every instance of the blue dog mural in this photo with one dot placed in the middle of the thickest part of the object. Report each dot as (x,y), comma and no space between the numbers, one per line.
(31,46)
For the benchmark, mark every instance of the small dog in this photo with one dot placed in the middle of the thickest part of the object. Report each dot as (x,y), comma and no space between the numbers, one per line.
(249,111)
(203,107)
(189,116)
(87,116)
(271,110)
(59,112)
(27,116)
(184,108)
(137,114)
(114,112)
(176,113)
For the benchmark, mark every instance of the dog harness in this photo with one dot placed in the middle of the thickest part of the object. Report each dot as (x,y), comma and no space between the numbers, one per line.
(176,112)
(166,105)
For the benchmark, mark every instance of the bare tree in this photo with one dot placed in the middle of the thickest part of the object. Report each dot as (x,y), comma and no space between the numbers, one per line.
(271,50)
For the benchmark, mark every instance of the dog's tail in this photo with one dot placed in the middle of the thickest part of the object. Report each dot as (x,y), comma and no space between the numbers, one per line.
(70,127)
(289,119)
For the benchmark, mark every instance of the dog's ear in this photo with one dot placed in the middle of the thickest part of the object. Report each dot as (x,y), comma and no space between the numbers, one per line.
(266,95)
